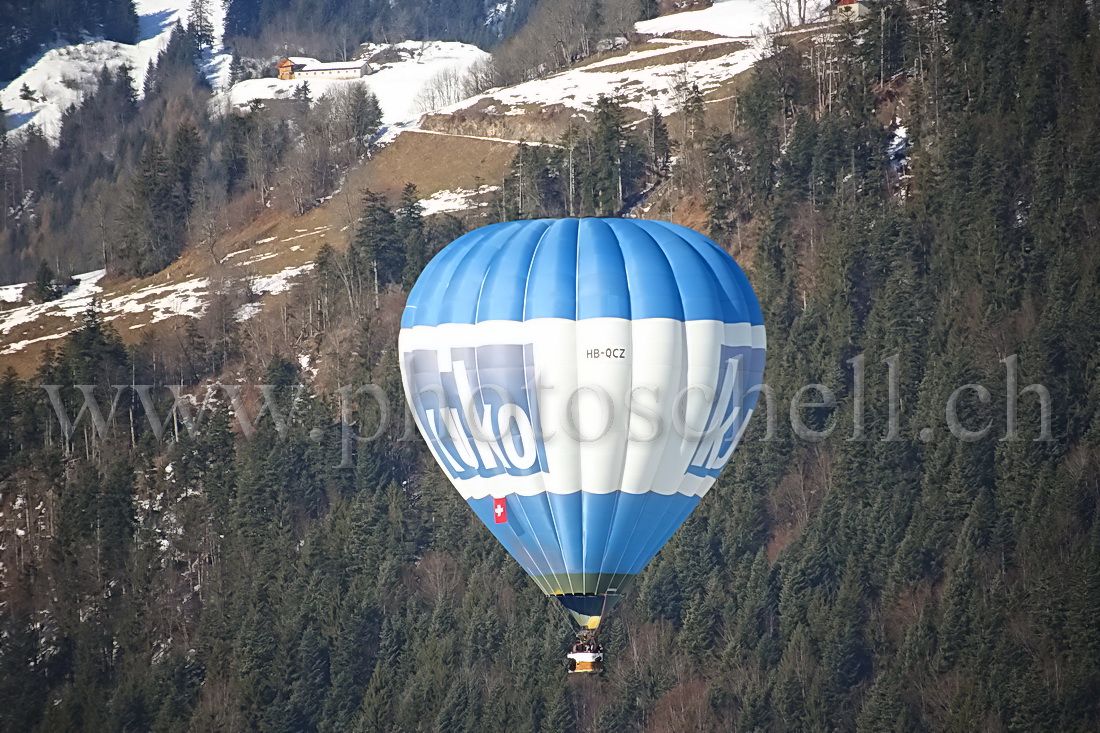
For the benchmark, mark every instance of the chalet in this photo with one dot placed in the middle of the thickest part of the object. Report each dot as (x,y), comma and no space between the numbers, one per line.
(303,67)
(851,10)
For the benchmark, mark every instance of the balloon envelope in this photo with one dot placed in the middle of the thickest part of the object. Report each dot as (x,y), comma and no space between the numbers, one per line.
(582,383)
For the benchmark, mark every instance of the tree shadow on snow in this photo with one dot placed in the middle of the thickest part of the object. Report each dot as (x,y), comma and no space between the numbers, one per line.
(153,24)
(18,119)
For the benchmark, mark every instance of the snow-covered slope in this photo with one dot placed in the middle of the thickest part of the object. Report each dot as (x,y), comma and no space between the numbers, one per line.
(397,83)
(730,18)
(653,75)
(137,304)
(274,252)
(63,74)
(641,80)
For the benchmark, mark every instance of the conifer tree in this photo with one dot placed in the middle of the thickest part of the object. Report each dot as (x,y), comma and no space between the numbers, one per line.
(559,712)
(183,162)
(199,23)
(410,233)
(613,170)
(302,94)
(694,112)
(380,256)
(659,143)
(149,236)
(46,286)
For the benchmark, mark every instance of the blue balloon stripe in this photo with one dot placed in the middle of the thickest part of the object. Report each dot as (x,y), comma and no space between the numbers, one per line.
(662,531)
(529,532)
(736,284)
(601,282)
(569,527)
(545,532)
(700,294)
(550,290)
(598,532)
(590,527)
(426,297)
(577,269)
(646,262)
(622,533)
(715,260)
(456,306)
(496,301)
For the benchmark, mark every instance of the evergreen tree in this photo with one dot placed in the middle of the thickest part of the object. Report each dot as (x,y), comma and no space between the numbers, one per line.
(311,681)
(120,21)
(613,169)
(46,286)
(379,254)
(150,240)
(302,94)
(242,18)
(199,23)
(559,712)
(183,163)
(694,112)
(659,145)
(364,113)
(410,232)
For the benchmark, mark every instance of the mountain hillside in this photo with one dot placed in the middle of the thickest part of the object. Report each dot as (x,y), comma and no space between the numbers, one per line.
(209,523)
(61,76)
(455,156)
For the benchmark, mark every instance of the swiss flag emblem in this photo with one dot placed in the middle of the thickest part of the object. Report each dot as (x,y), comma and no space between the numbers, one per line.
(500,510)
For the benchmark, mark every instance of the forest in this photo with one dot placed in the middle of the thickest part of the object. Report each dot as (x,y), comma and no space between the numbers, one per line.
(174,579)
(109,194)
(27,24)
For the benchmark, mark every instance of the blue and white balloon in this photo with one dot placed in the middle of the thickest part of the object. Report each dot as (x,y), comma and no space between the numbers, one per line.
(582,383)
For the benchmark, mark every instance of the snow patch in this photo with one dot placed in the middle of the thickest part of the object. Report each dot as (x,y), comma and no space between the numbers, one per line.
(158,302)
(71,304)
(658,84)
(12,293)
(279,282)
(895,150)
(261,258)
(305,362)
(397,84)
(247,311)
(62,75)
(459,199)
(315,232)
(730,18)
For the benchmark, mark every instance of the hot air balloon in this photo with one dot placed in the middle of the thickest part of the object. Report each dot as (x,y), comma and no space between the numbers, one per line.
(582,382)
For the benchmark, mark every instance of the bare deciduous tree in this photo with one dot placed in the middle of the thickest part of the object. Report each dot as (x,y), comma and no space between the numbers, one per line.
(480,76)
(444,88)
(790,13)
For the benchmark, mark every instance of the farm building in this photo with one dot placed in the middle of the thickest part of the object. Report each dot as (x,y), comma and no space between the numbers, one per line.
(302,67)
(851,10)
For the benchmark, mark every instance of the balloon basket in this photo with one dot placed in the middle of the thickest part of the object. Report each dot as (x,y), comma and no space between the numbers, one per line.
(585,656)
(584,662)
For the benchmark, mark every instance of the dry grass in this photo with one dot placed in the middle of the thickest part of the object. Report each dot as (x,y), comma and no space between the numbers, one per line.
(432,162)
(435,163)
(195,262)
(492,118)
